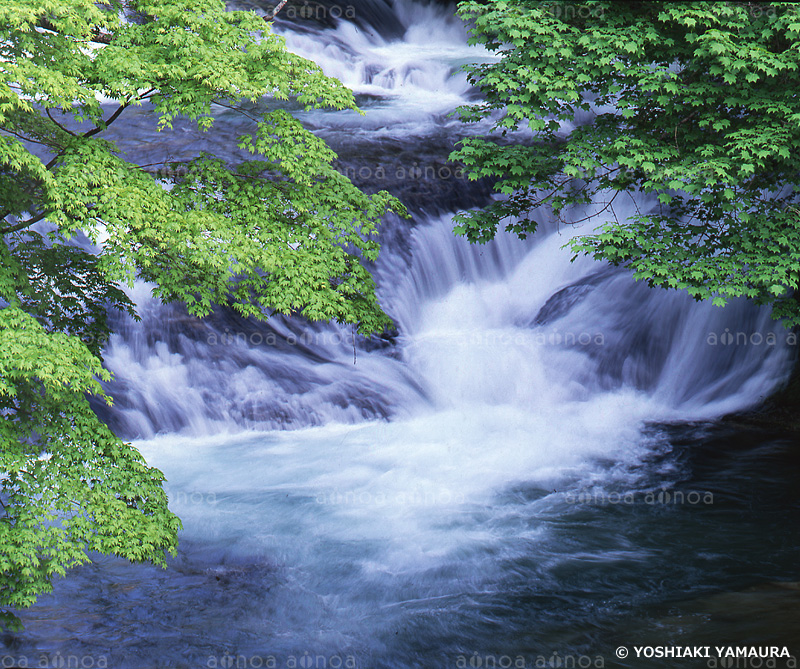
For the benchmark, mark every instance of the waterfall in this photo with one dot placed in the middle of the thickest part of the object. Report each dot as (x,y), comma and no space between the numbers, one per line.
(506,323)
(510,323)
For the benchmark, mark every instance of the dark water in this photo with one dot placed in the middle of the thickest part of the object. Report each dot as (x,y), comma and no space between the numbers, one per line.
(693,544)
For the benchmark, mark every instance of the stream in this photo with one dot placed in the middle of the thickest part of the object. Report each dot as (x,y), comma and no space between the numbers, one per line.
(531,471)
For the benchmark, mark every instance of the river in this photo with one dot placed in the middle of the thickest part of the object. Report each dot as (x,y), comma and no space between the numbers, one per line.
(531,469)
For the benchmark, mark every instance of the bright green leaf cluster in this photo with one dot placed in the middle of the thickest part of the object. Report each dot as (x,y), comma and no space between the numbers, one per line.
(695,104)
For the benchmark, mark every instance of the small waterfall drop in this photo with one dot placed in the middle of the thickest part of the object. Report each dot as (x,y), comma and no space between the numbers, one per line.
(507,323)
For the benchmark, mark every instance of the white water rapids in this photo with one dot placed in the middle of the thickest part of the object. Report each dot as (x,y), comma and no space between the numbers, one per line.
(512,364)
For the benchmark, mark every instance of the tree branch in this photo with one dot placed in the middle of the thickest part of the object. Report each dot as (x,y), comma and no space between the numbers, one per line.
(275,11)
(122,107)
(24,224)
(97,36)
(108,122)
(50,116)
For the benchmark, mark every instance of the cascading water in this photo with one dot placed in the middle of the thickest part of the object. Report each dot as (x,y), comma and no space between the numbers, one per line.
(421,510)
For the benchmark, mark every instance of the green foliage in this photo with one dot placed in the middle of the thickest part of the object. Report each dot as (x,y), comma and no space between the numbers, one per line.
(283,232)
(693,103)
(66,291)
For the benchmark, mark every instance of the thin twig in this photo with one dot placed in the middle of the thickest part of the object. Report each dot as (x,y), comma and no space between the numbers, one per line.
(23,137)
(236,109)
(635,204)
(597,213)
